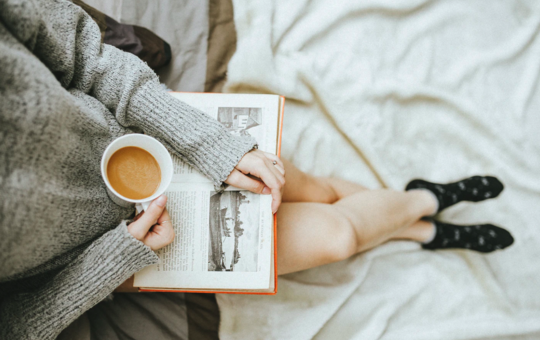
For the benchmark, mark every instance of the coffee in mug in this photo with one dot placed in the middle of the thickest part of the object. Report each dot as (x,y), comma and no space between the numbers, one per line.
(134,173)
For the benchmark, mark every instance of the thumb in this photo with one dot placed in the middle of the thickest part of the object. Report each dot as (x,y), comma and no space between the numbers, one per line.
(140,228)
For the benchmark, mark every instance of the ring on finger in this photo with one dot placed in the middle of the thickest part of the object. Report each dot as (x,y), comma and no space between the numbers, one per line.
(274,162)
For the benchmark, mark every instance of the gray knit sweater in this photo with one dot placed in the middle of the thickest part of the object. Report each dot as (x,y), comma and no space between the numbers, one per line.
(64,97)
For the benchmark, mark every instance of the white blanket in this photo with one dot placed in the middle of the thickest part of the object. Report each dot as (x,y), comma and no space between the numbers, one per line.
(380,92)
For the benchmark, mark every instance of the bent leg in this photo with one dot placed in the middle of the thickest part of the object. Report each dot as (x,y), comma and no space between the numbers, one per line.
(313,234)
(302,187)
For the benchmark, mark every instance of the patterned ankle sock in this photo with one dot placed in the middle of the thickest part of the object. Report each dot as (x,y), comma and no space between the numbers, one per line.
(472,189)
(483,238)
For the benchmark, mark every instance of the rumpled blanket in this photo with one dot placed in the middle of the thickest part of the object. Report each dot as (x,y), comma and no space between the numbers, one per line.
(380,92)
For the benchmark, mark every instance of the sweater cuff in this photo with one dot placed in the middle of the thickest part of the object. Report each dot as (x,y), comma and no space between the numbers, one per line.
(102,267)
(198,139)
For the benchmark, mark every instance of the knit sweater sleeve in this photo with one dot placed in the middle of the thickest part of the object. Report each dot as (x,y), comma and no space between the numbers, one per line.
(68,42)
(102,267)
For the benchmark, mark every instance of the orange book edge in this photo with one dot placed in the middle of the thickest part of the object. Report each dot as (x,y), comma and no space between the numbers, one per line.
(280,131)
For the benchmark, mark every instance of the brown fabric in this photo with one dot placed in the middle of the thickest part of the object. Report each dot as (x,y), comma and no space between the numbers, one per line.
(155,51)
(202,316)
(122,37)
(221,43)
(137,40)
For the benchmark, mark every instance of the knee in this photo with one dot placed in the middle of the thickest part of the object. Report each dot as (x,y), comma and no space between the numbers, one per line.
(343,242)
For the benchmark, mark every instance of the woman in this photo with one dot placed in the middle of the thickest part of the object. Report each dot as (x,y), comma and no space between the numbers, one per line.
(64,245)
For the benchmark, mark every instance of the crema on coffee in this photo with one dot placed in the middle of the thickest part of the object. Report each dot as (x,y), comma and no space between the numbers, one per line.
(134,173)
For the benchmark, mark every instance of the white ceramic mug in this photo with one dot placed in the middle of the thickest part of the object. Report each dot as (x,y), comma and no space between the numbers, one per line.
(156,149)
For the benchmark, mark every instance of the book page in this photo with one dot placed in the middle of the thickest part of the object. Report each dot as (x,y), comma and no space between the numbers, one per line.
(223,240)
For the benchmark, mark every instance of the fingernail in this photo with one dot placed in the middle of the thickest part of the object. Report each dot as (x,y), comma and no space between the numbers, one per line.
(160,201)
(266,191)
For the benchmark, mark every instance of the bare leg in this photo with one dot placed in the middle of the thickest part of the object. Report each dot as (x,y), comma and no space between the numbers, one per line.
(420,231)
(333,220)
(302,187)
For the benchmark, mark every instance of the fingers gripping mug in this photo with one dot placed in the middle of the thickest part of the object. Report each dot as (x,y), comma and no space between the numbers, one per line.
(136,169)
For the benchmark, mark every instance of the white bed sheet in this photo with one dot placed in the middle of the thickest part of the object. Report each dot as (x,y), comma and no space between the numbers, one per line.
(380,92)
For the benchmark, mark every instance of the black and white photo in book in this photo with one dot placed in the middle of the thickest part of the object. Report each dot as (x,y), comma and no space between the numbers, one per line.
(242,120)
(233,243)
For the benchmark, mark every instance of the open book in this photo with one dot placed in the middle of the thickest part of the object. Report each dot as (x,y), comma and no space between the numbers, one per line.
(225,242)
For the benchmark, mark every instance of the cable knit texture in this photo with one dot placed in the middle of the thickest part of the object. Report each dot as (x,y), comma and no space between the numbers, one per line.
(63,98)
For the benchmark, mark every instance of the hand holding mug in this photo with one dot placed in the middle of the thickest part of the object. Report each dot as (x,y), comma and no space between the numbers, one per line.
(153,226)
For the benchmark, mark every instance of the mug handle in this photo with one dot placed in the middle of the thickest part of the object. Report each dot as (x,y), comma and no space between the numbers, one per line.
(142,206)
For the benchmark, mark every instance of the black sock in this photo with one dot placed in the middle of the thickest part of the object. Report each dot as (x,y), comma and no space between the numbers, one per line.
(472,189)
(483,238)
